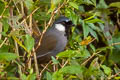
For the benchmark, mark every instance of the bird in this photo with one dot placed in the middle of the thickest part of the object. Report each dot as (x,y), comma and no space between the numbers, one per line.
(54,40)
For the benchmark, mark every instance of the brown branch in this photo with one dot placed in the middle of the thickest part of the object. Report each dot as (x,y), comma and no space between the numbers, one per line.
(30,32)
(109,78)
(49,23)
(65,63)
(16,6)
(45,67)
(117,43)
(36,64)
(19,66)
(3,42)
(85,62)
(5,9)
(29,29)
(16,45)
(1,26)
(29,15)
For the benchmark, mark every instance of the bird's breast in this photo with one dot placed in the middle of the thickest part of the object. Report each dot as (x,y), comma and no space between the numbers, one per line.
(61,42)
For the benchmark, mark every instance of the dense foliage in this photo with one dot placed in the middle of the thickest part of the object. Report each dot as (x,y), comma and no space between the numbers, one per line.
(93,51)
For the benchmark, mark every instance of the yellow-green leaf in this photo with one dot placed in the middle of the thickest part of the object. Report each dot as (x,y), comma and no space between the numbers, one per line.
(115,4)
(29,42)
(74,5)
(20,43)
(7,56)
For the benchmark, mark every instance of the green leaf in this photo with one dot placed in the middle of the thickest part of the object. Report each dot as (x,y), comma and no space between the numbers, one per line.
(94,68)
(106,33)
(93,33)
(74,5)
(116,39)
(20,43)
(24,77)
(115,57)
(7,56)
(83,52)
(81,8)
(94,27)
(2,6)
(29,4)
(4,48)
(73,69)
(117,78)
(54,60)
(50,10)
(94,21)
(87,2)
(115,4)
(5,24)
(85,29)
(29,42)
(49,76)
(57,76)
(67,53)
(92,47)
(104,48)
(102,4)
(54,4)
(91,17)
(31,77)
(106,69)
(94,2)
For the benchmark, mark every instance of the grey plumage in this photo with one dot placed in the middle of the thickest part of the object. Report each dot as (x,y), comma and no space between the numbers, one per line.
(53,41)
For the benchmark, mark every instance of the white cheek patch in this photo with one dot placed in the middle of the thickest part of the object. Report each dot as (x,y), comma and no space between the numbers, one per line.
(60,27)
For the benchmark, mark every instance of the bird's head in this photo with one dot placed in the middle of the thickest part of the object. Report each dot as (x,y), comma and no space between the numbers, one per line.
(63,23)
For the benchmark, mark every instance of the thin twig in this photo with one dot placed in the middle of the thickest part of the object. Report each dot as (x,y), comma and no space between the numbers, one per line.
(117,43)
(29,61)
(39,43)
(65,63)
(42,65)
(5,9)
(16,7)
(92,41)
(22,8)
(36,64)
(16,45)
(85,62)
(3,42)
(34,54)
(30,28)
(44,69)
(30,25)
(109,78)
(1,26)
(17,52)
(29,16)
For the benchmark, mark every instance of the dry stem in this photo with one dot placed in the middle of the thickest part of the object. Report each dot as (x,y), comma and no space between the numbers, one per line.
(85,62)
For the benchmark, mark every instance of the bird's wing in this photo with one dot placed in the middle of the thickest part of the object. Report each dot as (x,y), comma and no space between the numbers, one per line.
(48,44)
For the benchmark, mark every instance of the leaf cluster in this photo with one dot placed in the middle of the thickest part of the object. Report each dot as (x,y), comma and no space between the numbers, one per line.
(91,54)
